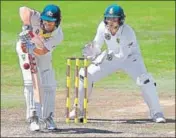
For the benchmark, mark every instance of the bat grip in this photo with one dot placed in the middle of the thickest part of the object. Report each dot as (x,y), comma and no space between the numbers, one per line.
(31,34)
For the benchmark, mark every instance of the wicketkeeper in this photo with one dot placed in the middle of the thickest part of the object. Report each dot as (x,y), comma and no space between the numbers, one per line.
(43,30)
(122,52)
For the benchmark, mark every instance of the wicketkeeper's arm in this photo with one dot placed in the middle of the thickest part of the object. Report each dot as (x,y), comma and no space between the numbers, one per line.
(128,44)
(92,49)
(99,38)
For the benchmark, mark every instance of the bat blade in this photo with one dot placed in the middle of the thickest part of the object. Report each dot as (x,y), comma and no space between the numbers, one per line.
(36,87)
(35,75)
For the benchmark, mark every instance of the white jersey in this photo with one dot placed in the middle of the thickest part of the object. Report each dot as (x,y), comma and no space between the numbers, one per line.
(50,41)
(122,44)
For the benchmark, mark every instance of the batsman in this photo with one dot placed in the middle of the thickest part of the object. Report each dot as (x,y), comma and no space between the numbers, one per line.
(41,33)
(122,53)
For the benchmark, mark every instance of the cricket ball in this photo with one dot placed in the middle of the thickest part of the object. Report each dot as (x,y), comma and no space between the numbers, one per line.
(26,66)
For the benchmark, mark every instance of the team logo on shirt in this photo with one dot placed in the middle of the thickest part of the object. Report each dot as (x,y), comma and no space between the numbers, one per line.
(130,44)
(118,40)
(107,36)
(37,32)
(109,57)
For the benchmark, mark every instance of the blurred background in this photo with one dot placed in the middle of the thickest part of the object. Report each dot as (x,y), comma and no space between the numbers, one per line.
(153,22)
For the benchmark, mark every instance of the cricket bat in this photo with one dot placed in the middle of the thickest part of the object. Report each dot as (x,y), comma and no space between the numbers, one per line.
(34,73)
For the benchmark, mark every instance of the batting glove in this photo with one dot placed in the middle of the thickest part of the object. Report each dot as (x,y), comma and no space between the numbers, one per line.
(27,27)
(25,36)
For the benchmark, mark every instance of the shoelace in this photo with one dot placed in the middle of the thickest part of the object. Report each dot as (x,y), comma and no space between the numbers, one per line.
(157,115)
(34,119)
(50,121)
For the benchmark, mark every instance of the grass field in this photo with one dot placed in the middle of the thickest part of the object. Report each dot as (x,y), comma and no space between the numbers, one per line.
(116,108)
(154,26)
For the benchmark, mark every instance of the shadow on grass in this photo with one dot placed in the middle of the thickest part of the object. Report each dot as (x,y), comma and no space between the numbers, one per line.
(84,130)
(81,131)
(128,121)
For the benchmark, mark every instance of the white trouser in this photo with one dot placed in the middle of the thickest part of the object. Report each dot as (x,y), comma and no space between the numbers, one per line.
(49,92)
(48,84)
(134,67)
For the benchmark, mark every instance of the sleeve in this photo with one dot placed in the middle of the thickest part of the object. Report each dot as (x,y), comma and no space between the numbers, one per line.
(35,17)
(99,38)
(128,43)
(55,40)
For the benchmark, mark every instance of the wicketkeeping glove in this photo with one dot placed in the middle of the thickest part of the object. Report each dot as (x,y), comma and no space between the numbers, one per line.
(90,51)
(99,59)
(105,55)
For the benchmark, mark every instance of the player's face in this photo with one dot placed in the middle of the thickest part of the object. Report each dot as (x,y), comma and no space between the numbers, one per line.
(112,24)
(49,26)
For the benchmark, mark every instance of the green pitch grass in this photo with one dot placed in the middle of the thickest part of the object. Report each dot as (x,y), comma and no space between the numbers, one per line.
(154,26)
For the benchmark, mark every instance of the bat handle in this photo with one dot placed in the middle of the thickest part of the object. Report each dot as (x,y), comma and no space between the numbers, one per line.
(31,34)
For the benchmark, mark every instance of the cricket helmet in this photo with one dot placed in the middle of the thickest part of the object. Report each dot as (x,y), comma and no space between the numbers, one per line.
(114,11)
(51,13)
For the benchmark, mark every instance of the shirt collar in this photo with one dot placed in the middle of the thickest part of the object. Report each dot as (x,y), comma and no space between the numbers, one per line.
(55,31)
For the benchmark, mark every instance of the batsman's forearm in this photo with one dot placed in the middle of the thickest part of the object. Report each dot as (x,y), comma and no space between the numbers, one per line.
(25,15)
(40,51)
